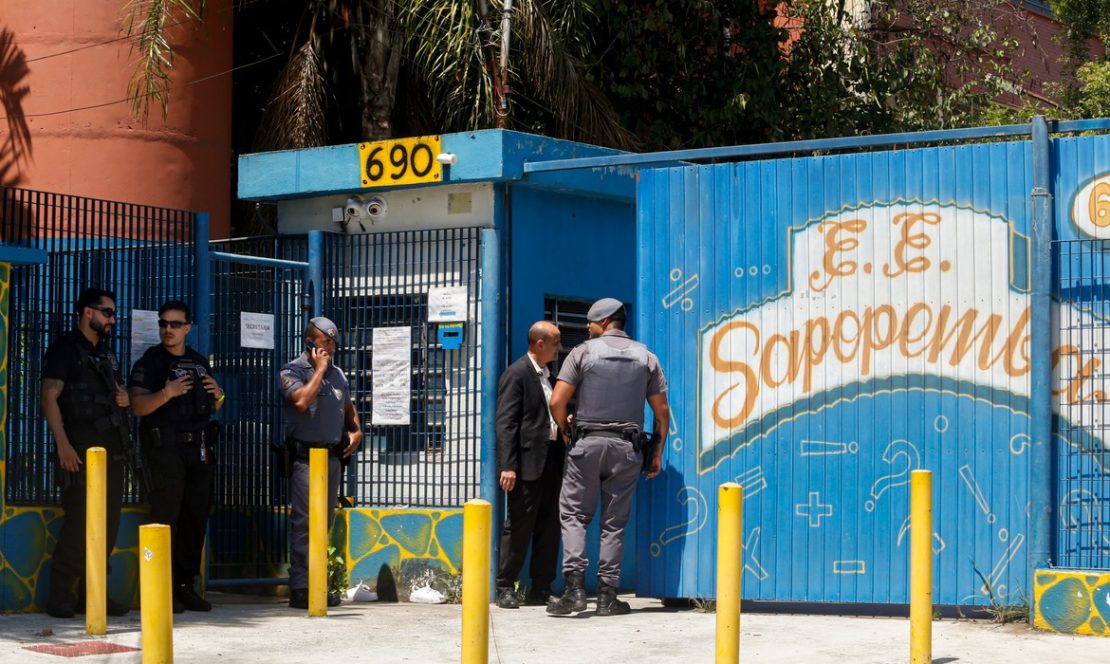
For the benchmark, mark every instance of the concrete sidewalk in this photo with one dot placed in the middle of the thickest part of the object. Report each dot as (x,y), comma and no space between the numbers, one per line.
(241,630)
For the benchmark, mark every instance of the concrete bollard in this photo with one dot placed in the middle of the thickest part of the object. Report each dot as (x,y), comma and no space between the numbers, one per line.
(96,551)
(156,593)
(730,567)
(318,532)
(475,581)
(921,567)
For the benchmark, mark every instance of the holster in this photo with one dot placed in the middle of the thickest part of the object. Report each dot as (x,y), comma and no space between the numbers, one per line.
(646,444)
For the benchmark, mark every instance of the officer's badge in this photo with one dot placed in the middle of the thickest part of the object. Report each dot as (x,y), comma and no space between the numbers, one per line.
(338,393)
(287,381)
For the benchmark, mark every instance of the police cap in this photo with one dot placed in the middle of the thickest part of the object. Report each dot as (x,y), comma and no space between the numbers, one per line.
(603,308)
(326,326)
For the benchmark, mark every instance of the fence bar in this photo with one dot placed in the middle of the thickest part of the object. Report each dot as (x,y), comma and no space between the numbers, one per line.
(257,260)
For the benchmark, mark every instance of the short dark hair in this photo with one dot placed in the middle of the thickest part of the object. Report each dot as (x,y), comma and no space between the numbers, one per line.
(176,305)
(90,297)
(618,318)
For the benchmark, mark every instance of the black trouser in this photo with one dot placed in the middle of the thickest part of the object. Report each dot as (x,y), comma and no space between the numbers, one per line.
(180,497)
(68,564)
(533,516)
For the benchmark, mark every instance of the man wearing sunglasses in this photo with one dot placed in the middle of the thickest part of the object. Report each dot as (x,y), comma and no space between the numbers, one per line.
(173,391)
(85,405)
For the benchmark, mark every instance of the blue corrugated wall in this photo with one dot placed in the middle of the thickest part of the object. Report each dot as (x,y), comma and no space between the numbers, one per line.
(828,324)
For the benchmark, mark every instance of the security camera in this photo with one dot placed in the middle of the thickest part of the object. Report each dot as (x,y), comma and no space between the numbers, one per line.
(376,207)
(447,158)
(354,207)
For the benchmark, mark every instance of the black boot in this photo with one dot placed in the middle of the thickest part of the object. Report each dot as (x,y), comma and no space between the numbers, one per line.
(574,597)
(607,602)
(189,598)
(62,602)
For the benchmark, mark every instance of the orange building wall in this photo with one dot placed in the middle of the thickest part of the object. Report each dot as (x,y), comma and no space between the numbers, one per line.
(105,152)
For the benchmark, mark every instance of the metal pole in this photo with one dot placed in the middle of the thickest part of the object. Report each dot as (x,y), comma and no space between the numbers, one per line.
(492,338)
(1041,457)
(316,271)
(96,552)
(475,581)
(318,532)
(730,567)
(202,298)
(156,593)
(921,567)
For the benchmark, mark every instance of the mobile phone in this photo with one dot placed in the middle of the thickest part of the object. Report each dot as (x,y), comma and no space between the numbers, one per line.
(310,345)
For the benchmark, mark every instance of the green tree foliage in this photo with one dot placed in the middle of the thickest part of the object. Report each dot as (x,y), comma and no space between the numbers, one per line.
(692,73)
(1085,23)
(647,74)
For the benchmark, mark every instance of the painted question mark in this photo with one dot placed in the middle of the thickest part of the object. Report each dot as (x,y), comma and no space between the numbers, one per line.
(1081,510)
(694,501)
(905,450)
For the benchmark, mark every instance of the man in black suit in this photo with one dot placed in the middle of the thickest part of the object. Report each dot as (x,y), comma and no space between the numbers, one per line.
(530,459)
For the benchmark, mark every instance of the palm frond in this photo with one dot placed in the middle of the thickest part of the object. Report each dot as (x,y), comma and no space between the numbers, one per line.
(145,23)
(296,117)
(581,110)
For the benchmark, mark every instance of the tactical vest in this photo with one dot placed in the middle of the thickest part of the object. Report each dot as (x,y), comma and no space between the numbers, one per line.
(196,405)
(88,404)
(614,384)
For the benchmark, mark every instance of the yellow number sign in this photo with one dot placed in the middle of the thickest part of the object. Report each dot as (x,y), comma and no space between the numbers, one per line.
(400,161)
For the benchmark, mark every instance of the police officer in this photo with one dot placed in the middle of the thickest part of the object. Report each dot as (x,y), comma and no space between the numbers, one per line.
(612,375)
(319,413)
(172,389)
(85,405)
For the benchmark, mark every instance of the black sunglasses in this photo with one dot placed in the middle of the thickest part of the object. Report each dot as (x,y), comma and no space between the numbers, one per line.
(175,324)
(107,311)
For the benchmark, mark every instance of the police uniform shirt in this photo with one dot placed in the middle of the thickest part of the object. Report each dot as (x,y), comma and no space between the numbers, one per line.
(574,371)
(188,412)
(63,360)
(324,421)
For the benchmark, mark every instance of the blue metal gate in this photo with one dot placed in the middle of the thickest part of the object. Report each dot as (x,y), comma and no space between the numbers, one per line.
(247,535)
(829,324)
(145,254)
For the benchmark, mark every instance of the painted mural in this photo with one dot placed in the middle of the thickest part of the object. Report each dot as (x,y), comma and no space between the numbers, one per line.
(827,326)
(1073,602)
(400,537)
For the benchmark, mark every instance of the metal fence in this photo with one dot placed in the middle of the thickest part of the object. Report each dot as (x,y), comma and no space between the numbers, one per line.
(382,280)
(145,254)
(248,533)
(1083,403)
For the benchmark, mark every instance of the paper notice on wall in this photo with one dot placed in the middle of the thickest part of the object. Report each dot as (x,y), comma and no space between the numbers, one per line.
(256,330)
(392,375)
(144,332)
(447,304)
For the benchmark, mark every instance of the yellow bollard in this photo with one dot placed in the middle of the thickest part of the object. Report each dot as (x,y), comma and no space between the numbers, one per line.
(318,532)
(730,566)
(475,581)
(156,593)
(921,567)
(96,552)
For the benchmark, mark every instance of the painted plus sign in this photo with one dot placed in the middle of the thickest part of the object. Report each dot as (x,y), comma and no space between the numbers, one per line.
(813,509)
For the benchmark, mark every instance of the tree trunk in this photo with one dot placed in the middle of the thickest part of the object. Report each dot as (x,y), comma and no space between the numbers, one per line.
(380,62)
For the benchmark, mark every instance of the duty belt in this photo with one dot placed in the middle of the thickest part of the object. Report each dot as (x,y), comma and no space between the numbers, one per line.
(168,434)
(631,435)
(301,447)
